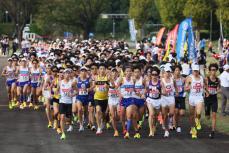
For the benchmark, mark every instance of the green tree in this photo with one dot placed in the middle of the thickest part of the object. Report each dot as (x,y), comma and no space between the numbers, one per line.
(170,11)
(222,12)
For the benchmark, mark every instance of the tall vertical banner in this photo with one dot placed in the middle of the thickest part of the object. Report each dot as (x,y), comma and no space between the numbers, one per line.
(191,43)
(159,36)
(181,38)
(132,30)
(171,39)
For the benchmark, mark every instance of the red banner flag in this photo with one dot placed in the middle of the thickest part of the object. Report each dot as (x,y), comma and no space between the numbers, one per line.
(159,36)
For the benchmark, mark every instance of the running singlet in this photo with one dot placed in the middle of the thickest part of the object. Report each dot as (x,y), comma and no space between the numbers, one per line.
(113,93)
(169,87)
(65,92)
(23,75)
(11,73)
(127,88)
(180,87)
(197,87)
(154,90)
(83,86)
(139,88)
(212,86)
(35,75)
(101,92)
(56,82)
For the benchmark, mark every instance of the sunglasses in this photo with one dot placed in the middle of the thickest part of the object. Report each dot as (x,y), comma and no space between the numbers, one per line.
(154,74)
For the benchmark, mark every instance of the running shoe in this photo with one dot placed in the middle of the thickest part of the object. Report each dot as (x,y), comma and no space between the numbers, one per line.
(178,129)
(13,104)
(166,134)
(127,135)
(88,126)
(30,105)
(70,128)
(36,107)
(24,104)
(116,134)
(137,135)
(58,130)
(17,104)
(81,129)
(10,106)
(21,106)
(99,131)
(63,136)
(198,125)
(50,125)
(194,133)
(212,135)
(93,128)
(124,132)
(108,126)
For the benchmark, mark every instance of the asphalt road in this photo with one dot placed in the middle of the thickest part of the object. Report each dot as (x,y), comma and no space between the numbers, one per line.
(26,132)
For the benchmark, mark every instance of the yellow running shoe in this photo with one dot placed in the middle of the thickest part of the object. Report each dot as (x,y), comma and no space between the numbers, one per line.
(21,106)
(108,126)
(30,105)
(10,106)
(127,135)
(63,136)
(13,103)
(137,135)
(58,130)
(17,104)
(194,133)
(198,125)
(50,125)
(24,104)
(36,107)
(116,134)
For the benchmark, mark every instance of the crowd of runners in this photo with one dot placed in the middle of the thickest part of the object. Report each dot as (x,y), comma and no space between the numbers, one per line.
(100,84)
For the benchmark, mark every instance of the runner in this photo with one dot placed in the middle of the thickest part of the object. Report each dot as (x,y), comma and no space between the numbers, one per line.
(211,100)
(67,91)
(22,82)
(35,83)
(195,85)
(153,97)
(101,86)
(114,99)
(168,100)
(46,91)
(9,72)
(179,99)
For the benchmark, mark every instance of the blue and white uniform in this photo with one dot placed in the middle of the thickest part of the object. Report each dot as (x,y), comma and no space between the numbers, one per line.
(83,95)
(35,76)
(11,78)
(140,89)
(23,77)
(127,92)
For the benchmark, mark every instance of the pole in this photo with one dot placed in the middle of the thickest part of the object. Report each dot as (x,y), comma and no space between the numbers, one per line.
(113,35)
(211,27)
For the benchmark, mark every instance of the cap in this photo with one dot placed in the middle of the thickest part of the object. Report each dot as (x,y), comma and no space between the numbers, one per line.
(226,67)
(167,68)
(195,67)
(9,59)
(67,71)
(83,68)
(114,69)
(23,59)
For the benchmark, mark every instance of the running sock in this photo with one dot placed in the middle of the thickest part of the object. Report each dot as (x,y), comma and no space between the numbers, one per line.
(128,125)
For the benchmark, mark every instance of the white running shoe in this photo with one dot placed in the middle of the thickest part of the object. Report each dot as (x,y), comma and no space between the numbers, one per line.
(166,135)
(99,131)
(81,129)
(93,128)
(70,128)
(178,129)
